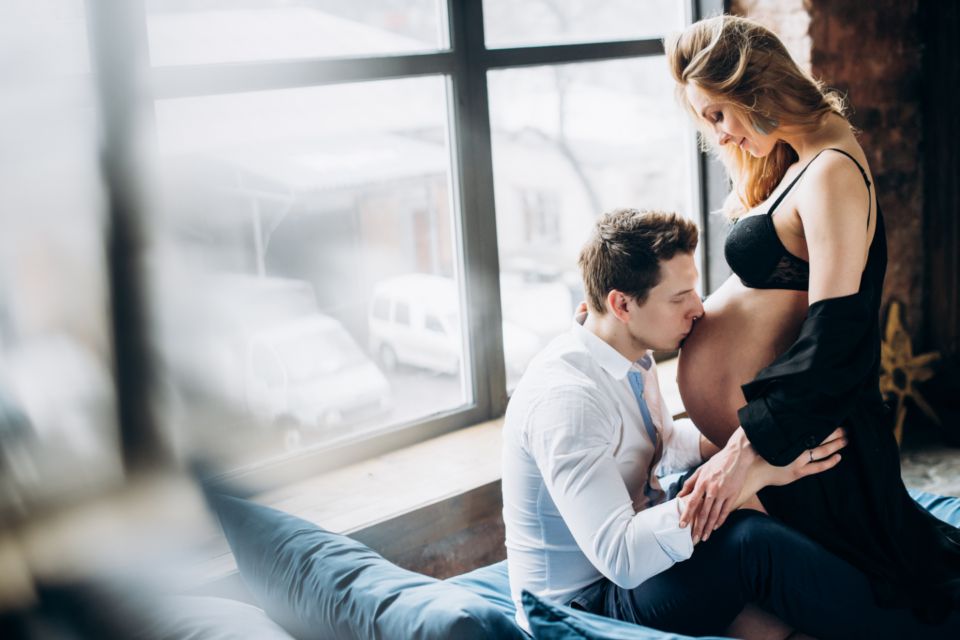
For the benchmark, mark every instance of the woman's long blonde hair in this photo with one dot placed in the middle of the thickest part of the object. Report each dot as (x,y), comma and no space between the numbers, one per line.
(743,62)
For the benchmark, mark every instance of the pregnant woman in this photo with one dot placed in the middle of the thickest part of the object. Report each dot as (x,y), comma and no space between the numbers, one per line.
(788,348)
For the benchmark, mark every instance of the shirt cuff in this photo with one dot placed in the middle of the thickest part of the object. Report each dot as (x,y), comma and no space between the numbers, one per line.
(664,521)
(684,446)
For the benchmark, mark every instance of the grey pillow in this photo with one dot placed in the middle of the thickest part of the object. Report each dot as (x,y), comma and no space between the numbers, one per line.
(208,618)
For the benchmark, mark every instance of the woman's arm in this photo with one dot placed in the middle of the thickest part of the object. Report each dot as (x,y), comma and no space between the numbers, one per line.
(834,206)
(700,507)
(707,448)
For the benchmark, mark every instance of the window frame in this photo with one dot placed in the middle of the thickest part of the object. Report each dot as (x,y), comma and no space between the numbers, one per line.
(121,60)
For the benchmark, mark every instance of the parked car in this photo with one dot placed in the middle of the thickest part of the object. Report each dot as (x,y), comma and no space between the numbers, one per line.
(309,371)
(259,346)
(414,320)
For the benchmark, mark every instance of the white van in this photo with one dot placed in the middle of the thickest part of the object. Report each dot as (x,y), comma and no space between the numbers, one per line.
(414,320)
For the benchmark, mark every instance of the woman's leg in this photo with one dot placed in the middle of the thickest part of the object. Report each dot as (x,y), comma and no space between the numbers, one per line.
(754,558)
(815,591)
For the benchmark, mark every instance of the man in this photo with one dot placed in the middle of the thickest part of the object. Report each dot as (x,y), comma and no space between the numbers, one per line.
(586,430)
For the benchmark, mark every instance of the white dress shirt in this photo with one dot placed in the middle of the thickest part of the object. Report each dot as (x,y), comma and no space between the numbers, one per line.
(579,498)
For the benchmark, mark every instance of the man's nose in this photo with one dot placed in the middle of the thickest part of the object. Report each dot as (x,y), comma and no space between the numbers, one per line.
(697,309)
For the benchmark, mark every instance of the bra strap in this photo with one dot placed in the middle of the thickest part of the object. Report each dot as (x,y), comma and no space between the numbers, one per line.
(783,194)
(863,173)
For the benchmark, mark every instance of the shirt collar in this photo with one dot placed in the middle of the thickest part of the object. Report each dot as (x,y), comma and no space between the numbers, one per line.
(609,359)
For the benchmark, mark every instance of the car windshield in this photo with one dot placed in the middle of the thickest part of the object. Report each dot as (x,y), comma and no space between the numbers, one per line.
(319,354)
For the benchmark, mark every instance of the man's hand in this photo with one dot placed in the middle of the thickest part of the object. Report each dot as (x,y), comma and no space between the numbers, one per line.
(737,465)
(715,486)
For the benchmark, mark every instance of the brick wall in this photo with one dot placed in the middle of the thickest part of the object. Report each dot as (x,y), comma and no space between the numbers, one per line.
(790,19)
(871,52)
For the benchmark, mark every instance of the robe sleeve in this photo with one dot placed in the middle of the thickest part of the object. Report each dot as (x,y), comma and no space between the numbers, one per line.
(810,390)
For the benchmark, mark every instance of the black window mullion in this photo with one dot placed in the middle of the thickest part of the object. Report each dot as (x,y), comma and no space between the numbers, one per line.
(212,79)
(579,52)
(474,168)
(713,187)
(118,54)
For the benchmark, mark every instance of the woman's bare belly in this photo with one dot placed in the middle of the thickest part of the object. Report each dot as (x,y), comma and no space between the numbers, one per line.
(742,331)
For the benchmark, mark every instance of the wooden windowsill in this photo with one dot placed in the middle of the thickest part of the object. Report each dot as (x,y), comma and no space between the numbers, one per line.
(360,496)
(376,493)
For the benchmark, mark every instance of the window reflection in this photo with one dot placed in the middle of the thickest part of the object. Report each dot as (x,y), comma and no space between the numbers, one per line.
(541,22)
(287,218)
(58,433)
(183,32)
(570,142)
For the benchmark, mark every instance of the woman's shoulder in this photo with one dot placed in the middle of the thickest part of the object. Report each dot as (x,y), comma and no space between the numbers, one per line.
(836,177)
(839,167)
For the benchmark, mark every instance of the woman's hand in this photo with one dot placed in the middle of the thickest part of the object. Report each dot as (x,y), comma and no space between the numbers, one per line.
(732,476)
(811,461)
(714,488)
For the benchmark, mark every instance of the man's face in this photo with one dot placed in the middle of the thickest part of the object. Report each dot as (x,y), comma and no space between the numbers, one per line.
(666,316)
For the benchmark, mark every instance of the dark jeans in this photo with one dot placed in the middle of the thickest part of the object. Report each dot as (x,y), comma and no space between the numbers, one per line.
(753,558)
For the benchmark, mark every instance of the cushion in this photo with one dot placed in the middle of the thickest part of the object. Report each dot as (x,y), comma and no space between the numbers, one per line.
(555,622)
(208,618)
(490,583)
(319,584)
(945,508)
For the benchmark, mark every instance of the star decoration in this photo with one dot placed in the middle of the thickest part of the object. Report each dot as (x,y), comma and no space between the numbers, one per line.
(900,370)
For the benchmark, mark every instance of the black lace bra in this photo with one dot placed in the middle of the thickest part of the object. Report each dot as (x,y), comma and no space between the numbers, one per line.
(756,254)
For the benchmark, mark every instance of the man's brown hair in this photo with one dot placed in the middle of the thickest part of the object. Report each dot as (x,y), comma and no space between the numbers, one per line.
(625,250)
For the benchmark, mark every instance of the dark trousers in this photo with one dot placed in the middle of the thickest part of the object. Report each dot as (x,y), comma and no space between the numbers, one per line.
(753,558)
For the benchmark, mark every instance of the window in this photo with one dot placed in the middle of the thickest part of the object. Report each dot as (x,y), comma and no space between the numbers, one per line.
(523,24)
(402,312)
(432,323)
(570,142)
(353,221)
(381,309)
(58,407)
(266,367)
(189,32)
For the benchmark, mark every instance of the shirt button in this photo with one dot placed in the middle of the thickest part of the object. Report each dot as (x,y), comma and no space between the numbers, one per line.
(811,442)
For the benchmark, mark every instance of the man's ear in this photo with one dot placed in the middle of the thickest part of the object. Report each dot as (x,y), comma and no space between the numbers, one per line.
(617,305)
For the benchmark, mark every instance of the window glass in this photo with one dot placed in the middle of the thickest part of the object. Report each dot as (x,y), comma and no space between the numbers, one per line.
(266,366)
(381,309)
(402,314)
(285,215)
(432,323)
(539,22)
(183,32)
(570,142)
(58,430)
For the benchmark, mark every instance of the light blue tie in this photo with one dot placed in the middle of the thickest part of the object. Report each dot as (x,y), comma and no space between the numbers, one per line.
(636,384)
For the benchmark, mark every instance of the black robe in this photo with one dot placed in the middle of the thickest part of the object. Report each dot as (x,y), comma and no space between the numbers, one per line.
(860,509)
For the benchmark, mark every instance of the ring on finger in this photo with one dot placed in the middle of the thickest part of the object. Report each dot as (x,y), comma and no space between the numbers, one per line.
(810,451)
